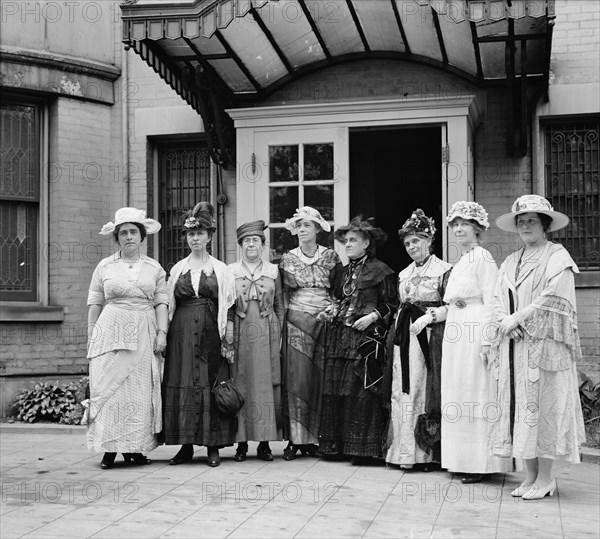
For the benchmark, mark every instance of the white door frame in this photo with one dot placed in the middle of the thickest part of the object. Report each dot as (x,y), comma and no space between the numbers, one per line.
(459,117)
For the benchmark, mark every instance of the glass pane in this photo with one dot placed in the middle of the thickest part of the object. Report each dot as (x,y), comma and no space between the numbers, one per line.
(334,21)
(493,60)
(254,50)
(320,197)
(18,250)
(18,152)
(318,162)
(280,241)
(379,24)
(283,202)
(459,44)
(419,28)
(283,163)
(232,75)
(297,40)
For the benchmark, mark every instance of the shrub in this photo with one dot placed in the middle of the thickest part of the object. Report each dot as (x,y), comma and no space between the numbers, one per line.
(56,403)
(589,393)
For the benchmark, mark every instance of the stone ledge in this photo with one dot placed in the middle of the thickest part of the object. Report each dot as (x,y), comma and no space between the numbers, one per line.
(40,428)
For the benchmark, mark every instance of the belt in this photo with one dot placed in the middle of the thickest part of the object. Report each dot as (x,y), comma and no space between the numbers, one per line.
(461,303)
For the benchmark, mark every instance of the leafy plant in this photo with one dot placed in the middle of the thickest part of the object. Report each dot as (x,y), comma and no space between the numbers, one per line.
(589,393)
(56,403)
(590,398)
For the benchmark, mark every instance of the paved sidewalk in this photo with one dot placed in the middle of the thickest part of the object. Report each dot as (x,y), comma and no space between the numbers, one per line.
(52,487)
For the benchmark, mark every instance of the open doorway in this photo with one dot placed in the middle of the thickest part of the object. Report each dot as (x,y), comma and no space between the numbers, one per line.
(392,172)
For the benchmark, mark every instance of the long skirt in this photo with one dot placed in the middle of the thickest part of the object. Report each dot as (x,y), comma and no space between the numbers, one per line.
(192,365)
(257,375)
(124,400)
(468,397)
(302,376)
(353,419)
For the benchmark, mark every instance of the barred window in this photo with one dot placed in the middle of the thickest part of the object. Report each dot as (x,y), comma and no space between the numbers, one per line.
(571,178)
(19,200)
(185,180)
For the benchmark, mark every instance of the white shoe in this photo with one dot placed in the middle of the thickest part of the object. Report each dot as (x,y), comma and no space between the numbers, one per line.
(521,489)
(536,493)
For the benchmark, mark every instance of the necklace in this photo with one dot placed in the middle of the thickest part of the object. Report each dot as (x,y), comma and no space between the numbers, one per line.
(130,263)
(352,276)
(309,256)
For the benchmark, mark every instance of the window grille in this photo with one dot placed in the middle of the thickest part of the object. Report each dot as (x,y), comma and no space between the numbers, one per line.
(19,201)
(571,177)
(184,180)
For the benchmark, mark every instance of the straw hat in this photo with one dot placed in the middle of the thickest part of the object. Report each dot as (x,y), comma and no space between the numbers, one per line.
(306,212)
(533,204)
(131,215)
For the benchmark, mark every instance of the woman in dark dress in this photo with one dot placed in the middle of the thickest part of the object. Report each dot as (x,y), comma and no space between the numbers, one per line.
(353,418)
(201,289)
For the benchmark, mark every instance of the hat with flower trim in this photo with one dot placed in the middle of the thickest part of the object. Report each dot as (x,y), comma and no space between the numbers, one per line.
(470,211)
(532,204)
(418,223)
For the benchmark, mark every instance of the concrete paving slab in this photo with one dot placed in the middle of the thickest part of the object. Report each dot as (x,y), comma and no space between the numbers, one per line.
(53,487)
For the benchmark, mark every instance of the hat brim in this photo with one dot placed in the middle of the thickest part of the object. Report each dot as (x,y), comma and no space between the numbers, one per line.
(507,223)
(290,223)
(152,226)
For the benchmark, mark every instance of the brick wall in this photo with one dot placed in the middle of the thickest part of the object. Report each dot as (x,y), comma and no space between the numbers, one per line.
(575,42)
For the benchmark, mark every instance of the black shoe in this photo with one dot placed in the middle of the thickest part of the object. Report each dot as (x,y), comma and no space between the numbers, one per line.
(185,454)
(213,457)
(263,452)
(289,453)
(471,478)
(310,450)
(136,459)
(108,460)
(240,452)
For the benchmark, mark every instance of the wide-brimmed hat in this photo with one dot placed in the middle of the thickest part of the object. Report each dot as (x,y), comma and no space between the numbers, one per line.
(253,228)
(306,212)
(200,217)
(418,223)
(470,211)
(365,226)
(131,215)
(531,204)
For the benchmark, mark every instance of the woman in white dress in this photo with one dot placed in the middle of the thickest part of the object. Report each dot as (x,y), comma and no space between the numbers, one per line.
(127,323)
(468,401)
(412,377)
(536,355)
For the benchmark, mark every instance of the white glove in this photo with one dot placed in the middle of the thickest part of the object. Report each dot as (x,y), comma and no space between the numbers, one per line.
(420,323)
(508,323)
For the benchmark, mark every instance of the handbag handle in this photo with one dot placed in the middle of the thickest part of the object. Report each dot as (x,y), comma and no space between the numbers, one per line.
(223,360)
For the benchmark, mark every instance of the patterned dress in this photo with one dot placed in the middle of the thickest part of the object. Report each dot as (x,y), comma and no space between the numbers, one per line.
(416,365)
(537,376)
(468,396)
(353,416)
(124,408)
(193,364)
(306,286)
(257,343)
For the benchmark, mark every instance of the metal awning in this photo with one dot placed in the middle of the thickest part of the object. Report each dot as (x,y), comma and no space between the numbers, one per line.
(221,54)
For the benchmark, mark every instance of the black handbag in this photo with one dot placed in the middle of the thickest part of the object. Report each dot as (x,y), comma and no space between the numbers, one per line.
(228,397)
